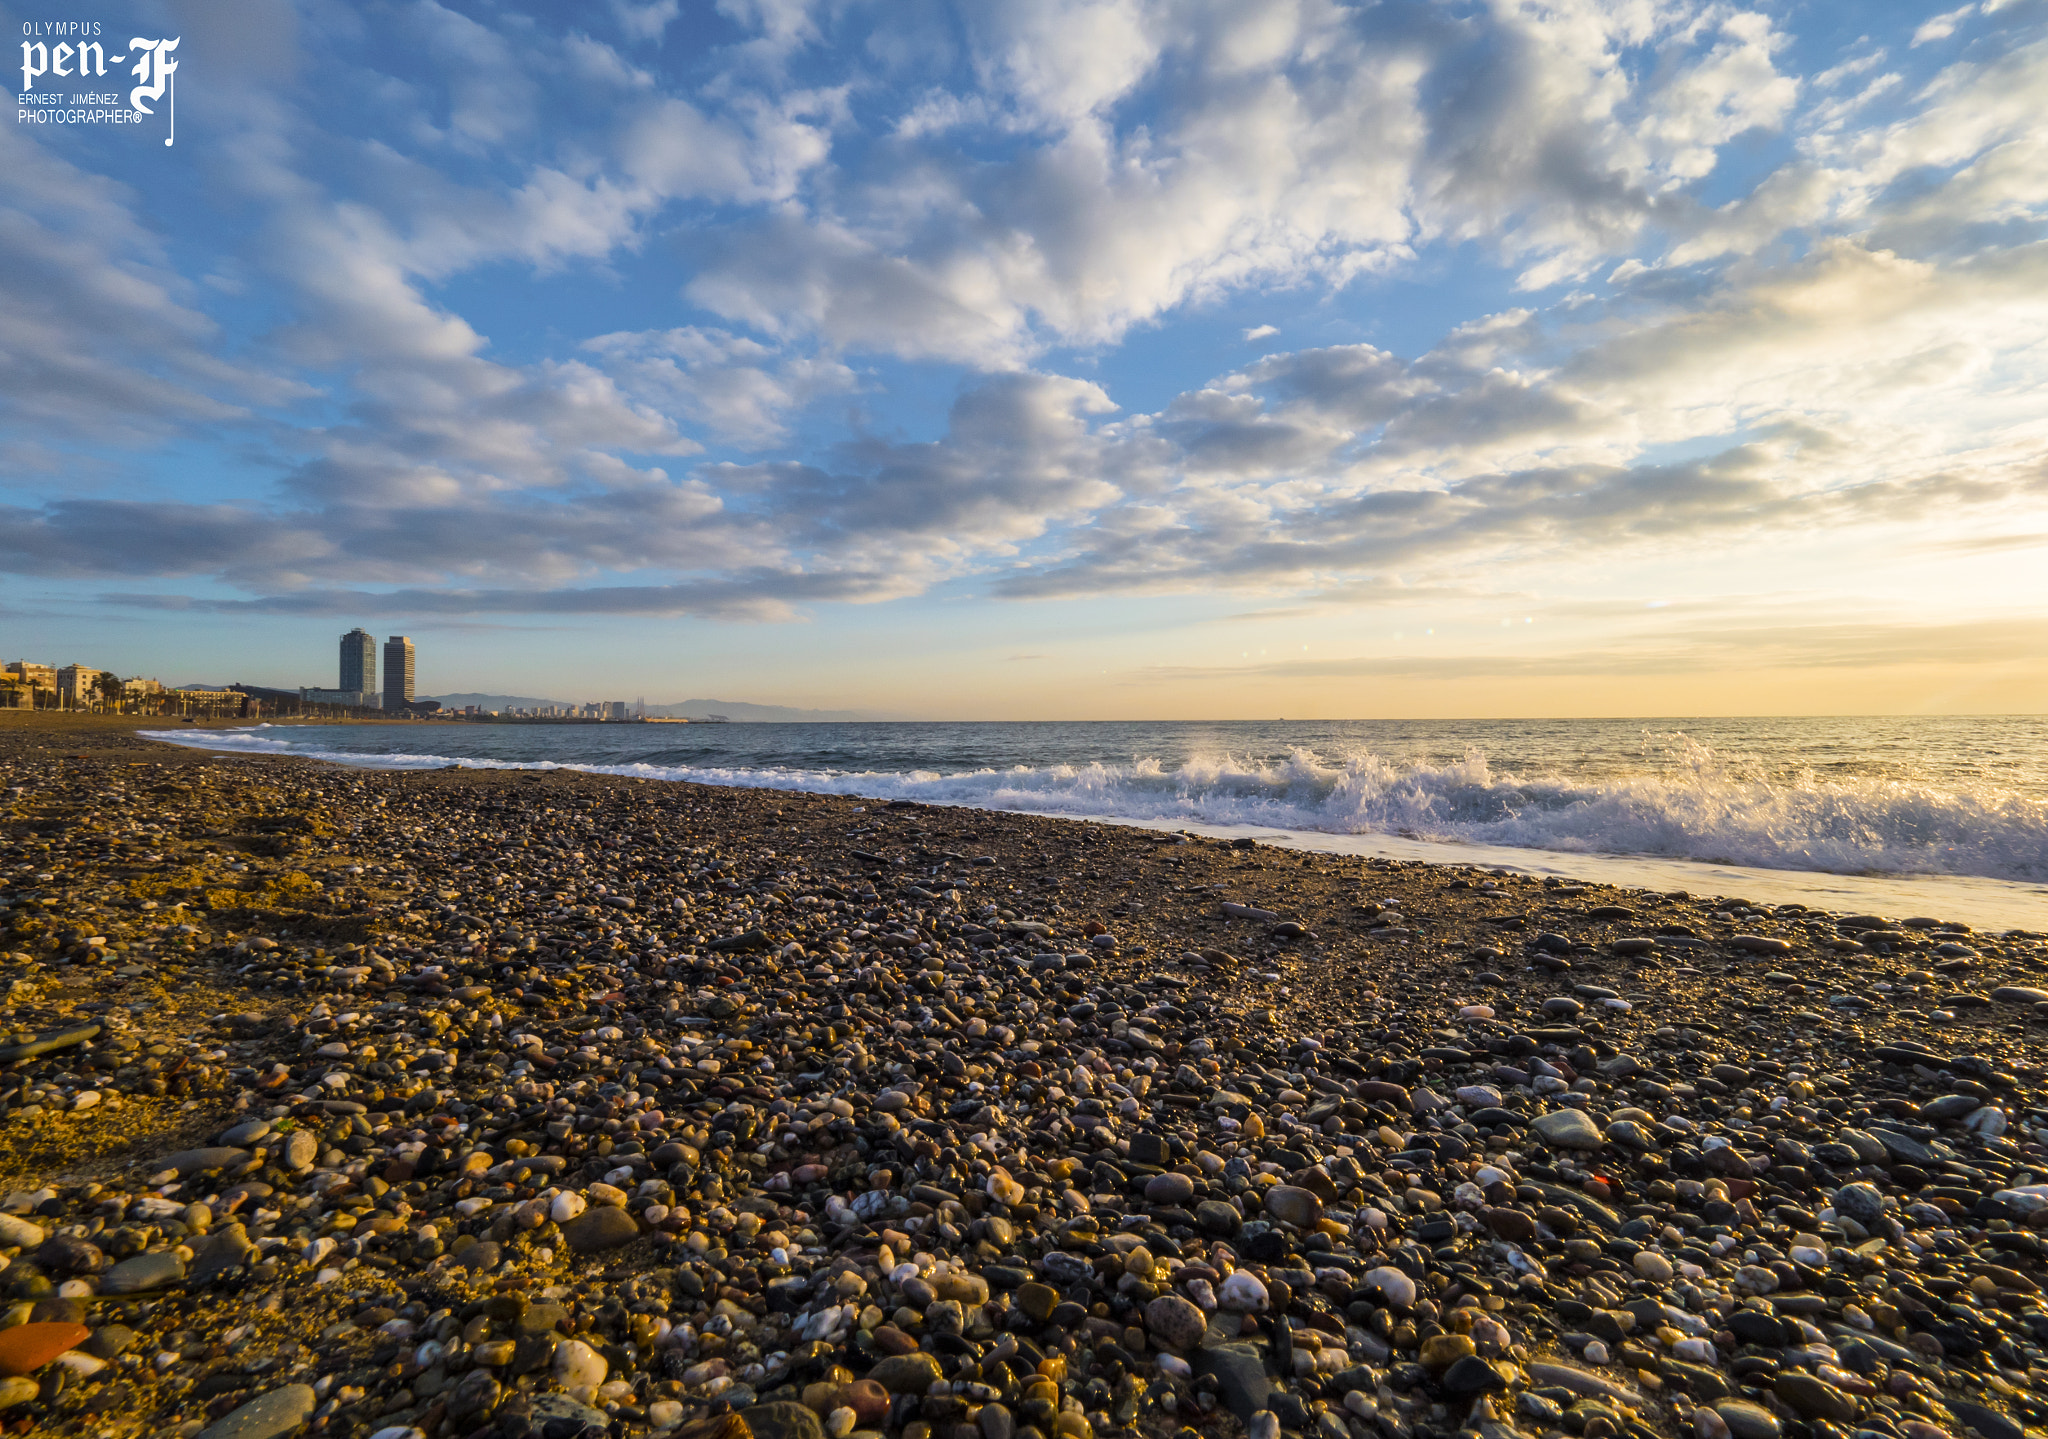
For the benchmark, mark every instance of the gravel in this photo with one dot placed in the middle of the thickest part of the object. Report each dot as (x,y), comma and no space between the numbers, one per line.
(894,1122)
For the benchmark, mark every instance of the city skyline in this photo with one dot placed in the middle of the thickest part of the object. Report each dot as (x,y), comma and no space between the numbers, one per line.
(1090,359)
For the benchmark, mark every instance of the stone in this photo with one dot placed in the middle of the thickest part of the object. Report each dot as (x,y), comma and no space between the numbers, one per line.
(577,1366)
(1148,1148)
(1242,1383)
(601,1228)
(1753,1326)
(868,1400)
(575,1417)
(1860,1202)
(907,1373)
(1653,1266)
(18,1389)
(475,1395)
(143,1271)
(1509,1224)
(1469,1376)
(996,1421)
(2019,994)
(1441,1351)
(783,1420)
(219,1252)
(1169,1188)
(1580,1381)
(1243,1293)
(110,1341)
(245,1134)
(268,1416)
(1949,1106)
(1037,1300)
(1568,1129)
(1218,1218)
(1748,1421)
(20,1233)
(1394,1286)
(1175,1322)
(28,1347)
(1814,1398)
(301,1148)
(188,1162)
(1986,1421)
(1294,1205)
(480,1258)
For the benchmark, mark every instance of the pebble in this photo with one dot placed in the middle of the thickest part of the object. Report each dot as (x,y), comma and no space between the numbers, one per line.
(604,1227)
(855,1145)
(28,1347)
(267,1416)
(143,1272)
(1175,1322)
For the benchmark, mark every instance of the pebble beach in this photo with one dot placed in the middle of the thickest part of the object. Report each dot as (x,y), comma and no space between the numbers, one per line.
(473,1103)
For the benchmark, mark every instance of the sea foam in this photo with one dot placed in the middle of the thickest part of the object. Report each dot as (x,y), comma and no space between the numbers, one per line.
(1694,807)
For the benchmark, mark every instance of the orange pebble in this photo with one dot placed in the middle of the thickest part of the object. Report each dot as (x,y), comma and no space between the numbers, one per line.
(28,1347)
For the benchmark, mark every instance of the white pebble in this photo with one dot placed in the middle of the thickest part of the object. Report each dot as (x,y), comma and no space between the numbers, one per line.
(1397,1288)
(578,1366)
(1243,1293)
(1653,1266)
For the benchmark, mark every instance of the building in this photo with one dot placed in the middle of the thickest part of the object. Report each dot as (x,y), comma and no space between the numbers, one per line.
(139,688)
(611,709)
(358,662)
(398,677)
(34,676)
(358,699)
(75,686)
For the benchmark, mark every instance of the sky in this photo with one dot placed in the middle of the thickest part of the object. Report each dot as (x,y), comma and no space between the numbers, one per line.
(1048,359)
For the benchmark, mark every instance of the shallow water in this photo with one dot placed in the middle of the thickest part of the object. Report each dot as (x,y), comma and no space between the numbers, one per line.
(1901,815)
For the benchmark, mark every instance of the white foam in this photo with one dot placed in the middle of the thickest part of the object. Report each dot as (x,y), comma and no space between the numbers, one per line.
(1695,810)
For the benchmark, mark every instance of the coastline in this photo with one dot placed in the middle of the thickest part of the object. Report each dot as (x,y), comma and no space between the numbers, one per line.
(413,996)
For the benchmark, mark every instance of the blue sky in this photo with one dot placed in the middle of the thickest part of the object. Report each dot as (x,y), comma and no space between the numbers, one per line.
(1050,358)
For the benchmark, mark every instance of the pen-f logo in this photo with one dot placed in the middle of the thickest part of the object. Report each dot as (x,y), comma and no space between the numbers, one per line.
(153,68)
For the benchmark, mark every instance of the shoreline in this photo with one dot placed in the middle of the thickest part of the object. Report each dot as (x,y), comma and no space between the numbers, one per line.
(483,1097)
(1986,902)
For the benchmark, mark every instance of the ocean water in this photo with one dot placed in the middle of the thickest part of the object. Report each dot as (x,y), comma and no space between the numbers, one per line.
(1942,816)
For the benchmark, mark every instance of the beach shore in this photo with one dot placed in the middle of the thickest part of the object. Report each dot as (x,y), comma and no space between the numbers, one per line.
(509,1102)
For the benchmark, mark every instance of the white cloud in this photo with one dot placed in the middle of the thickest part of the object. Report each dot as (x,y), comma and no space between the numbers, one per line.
(1942,26)
(1851,340)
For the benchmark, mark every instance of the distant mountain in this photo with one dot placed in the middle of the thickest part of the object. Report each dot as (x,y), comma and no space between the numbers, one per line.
(740,710)
(493,702)
(737,710)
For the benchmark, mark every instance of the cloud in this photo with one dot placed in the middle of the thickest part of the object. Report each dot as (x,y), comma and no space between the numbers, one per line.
(600,321)
(1747,648)
(1942,26)
(1101,164)
(100,337)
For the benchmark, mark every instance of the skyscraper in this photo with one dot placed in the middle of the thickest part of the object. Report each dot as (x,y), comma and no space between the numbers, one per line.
(397,672)
(358,660)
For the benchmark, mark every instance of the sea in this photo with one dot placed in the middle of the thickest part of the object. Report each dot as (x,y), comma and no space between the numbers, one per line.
(1905,817)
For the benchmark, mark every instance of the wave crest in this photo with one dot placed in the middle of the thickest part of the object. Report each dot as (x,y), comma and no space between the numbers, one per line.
(1693,805)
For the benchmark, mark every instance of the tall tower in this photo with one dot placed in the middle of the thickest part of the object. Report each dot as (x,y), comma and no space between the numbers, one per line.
(397,672)
(358,661)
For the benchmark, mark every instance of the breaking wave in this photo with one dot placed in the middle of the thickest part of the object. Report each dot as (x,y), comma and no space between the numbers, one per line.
(1692,806)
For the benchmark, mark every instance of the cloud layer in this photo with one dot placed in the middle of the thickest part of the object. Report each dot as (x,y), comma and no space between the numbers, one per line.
(835,304)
